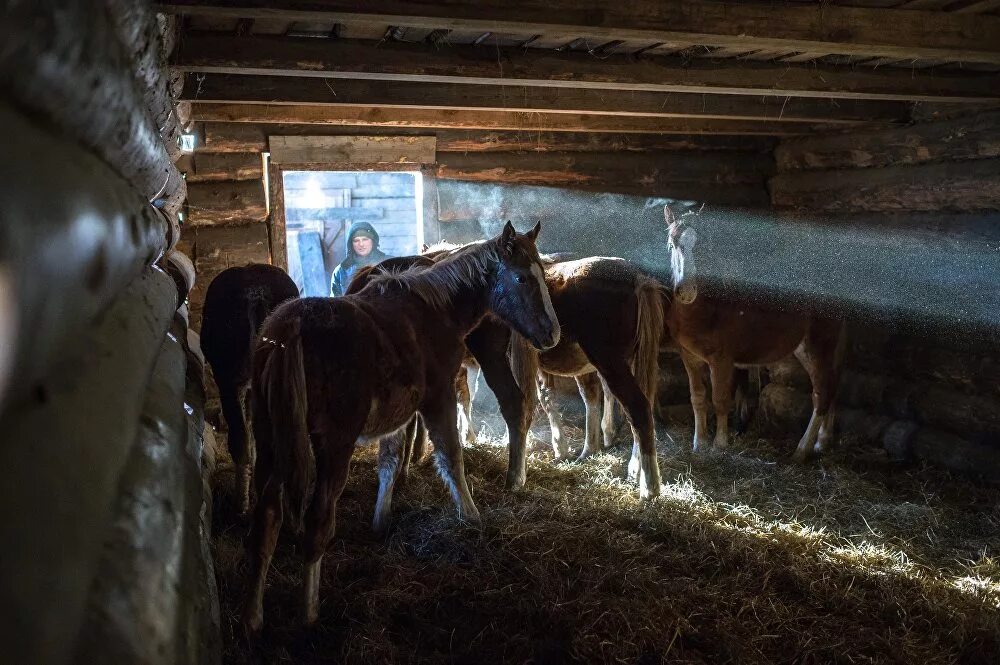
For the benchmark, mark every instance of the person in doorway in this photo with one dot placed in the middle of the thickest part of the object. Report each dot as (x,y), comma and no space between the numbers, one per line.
(362,250)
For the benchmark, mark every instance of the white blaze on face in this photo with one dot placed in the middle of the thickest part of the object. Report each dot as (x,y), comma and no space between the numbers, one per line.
(682,266)
(536,271)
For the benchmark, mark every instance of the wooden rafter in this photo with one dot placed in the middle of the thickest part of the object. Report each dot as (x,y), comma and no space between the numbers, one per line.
(492,120)
(533,67)
(819,27)
(449,96)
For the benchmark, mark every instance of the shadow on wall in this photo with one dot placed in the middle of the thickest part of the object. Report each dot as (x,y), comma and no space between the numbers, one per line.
(924,272)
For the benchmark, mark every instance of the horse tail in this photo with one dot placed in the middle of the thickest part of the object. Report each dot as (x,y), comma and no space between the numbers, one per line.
(282,388)
(524,367)
(649,330)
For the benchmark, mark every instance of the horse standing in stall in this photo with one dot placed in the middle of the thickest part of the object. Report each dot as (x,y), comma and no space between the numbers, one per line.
(725,335)
(330,371)
(612,316)
(236,303)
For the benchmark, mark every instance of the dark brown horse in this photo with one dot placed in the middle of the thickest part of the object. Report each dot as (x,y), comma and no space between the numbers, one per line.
(236,304)
(328,372)
(726,335)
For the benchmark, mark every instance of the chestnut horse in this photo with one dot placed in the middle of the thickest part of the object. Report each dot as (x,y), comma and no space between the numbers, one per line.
(236,304)
(612,317)
(328,372)
(726,335)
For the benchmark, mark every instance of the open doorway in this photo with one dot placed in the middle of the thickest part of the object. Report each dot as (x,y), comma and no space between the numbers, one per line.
(321,208)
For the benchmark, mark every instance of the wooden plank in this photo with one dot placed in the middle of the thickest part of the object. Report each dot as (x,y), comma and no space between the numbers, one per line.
(228,202)
(974,137)
(535,67)
(225,88)
(687,176)
(968,186)
(798,27)
(353,149)
(246,137)
(311,260)
(491,120)
(207,166)
(218,248)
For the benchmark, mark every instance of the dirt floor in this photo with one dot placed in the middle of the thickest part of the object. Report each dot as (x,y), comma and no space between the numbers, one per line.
(745,559)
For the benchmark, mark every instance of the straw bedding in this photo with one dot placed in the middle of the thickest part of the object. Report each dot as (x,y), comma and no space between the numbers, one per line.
(746,558)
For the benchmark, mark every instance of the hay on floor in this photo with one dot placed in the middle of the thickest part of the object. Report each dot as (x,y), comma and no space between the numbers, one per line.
(746,558)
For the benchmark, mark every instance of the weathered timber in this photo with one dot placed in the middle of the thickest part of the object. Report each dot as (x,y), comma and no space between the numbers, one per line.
(353,149)
(358,59)
(65,64)
(677,175)
(227,88)
(974,137)
(788,28)
(492,120)
(227,202)
(50,563)
(226,166)
(74,234)
(967,186)
(133,607)
(247,137)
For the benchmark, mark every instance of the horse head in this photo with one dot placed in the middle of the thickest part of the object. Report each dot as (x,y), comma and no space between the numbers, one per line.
(681,240)
(518,294)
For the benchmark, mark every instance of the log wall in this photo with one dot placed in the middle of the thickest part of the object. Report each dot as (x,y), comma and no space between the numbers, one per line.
(107,556)
(921,385)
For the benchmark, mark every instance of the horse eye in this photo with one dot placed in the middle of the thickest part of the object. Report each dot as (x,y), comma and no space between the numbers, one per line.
(519,279)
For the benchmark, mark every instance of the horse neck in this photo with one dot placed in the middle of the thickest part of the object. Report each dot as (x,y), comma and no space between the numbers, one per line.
(467,292)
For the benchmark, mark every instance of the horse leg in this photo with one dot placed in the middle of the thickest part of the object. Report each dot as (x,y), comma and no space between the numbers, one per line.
(489,347)
(818,355)
(639,411)
(699,401)
(448,451)
(261,543)
(230,396)
(464,408)
(721,370)
(546,396)
(589,386)
(391,458)
(409,442)
(333,462)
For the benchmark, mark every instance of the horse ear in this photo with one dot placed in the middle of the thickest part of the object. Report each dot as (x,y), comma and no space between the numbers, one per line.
(424,247)
(507,237)
(533,233)
(668,215)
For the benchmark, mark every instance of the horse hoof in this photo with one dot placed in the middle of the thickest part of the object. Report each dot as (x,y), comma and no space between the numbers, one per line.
(800,458)
(583,456)
(514,484)
(649,492)
(253,622)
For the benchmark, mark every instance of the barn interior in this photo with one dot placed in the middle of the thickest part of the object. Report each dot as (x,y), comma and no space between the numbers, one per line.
(837,158)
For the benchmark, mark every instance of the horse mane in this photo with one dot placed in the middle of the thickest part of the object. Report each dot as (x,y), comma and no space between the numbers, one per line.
(437,284)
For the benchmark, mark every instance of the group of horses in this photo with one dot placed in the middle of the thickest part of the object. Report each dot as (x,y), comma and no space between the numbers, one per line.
(313,377)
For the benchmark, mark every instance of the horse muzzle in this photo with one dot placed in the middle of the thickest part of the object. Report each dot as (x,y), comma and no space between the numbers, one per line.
(548,339)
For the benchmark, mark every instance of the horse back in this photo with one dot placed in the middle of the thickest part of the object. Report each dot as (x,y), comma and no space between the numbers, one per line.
(237,302)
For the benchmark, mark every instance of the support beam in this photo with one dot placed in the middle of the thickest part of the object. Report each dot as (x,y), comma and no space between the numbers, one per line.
(814,27)
(224,88)
(355,59)
(236,137)
(734,179)
(493,120)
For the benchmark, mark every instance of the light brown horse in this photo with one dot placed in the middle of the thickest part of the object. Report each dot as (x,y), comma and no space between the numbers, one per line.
(726,335)
(328,372)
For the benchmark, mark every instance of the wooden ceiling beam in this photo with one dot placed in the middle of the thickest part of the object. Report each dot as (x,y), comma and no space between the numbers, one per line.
(491,120)
(358,59)
(449,96)
(820,27)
